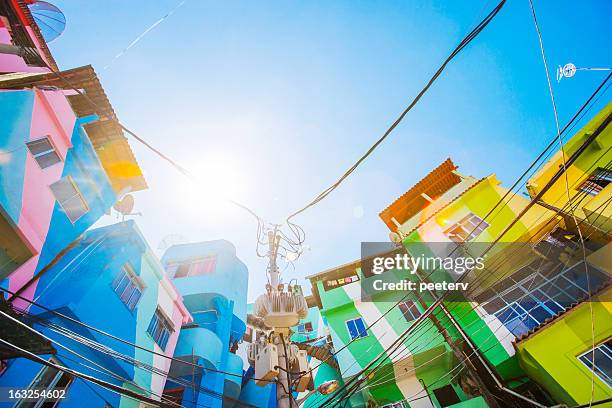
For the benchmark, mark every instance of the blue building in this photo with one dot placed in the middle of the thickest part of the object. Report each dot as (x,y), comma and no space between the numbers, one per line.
(213,283)
(113,282)
(63,165)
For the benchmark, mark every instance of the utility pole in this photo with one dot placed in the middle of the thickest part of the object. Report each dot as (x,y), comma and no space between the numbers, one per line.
(275,358)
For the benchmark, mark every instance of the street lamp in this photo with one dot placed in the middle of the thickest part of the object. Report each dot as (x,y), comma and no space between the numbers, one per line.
(325,388)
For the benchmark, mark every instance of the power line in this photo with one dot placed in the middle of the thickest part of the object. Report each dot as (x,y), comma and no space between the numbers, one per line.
(119,339)
(74,373)
(571,123)
(443,296)
(466,40)
(108,371)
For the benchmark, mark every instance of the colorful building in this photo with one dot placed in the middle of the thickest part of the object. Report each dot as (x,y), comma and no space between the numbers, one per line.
(361,329)
(61,168)
(570,354)
(213,282)
(64,160)
(112,282)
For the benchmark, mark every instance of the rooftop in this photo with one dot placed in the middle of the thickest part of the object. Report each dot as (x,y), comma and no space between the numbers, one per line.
(436,183)
(605,286)
(105,133)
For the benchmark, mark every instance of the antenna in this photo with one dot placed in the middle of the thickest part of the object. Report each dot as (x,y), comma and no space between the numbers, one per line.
(569,70)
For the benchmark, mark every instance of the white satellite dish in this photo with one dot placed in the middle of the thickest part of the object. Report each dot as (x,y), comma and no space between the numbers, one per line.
(567,71)
(125,206)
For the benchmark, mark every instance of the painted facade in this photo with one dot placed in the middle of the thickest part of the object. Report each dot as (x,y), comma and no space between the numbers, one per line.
(63,162)
(565,368)
(111,281)
(213,282)
(401,378)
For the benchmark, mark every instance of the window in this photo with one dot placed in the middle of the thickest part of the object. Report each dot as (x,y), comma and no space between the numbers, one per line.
(43,152)
(304,328)
(409,310)
(50,379)
(597,181)
(173,397)
(446,396)
(467,229)
(128,286)
(69,198)
(160,329)
(602,359)
(198,267)
(527,303)
(356,328)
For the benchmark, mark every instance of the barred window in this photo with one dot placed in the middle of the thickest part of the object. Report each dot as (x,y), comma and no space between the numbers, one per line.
(597,181)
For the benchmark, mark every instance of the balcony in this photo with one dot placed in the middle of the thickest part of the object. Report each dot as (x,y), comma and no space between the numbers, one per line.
(197,345)
(233,383)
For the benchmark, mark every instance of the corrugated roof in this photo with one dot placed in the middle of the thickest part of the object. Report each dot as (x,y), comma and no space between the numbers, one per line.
(553,319)
(439,210)
(105,133)
(436,183)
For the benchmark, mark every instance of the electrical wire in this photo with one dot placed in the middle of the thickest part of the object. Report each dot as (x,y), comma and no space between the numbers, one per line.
(111,387)
(584,194)
(119,339)
(466,40)
(443,296)
(586,106)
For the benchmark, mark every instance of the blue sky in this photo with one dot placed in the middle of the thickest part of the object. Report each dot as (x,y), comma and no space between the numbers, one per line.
(279,98)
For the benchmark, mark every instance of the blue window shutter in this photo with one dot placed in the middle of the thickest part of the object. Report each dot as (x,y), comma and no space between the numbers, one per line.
(352,329)
(360,325)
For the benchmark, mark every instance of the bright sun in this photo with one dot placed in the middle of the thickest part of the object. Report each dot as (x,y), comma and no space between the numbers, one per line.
(213,183)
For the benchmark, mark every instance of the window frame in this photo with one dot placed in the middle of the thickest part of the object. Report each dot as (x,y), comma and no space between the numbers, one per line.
(187,269)
(470,232)
(360,335)
(168,326)
(595,369)
(129,275)
(53,149)
(78,194)
(51,386)
(414,305)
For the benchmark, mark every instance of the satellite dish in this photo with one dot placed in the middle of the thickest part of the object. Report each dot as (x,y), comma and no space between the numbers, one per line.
(125,205)
(395,237)
(567,71)
(49,19)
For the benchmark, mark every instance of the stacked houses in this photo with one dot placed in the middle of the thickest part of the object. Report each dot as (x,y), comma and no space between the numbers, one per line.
(533,328)
(91,317)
